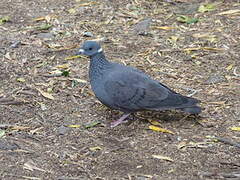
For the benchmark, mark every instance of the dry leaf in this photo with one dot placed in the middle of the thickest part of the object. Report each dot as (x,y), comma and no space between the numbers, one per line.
(21,80)
(164,27)
(47,18)
(155,123)
(31,178)
(207,36)
(35,130)
(158,129)
(45,94)
(233,11)
(63,66)
(78,80)
(74,126)
(72,11)
(74,57)
(7,55)
(206,7)
(203,48)
(95,148)
(163,158)
(2,133)
(182,145)
(235,128)
(88,3)
(228,68)
(19,128)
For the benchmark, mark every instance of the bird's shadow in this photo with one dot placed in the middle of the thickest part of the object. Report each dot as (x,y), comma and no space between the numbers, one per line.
(147,116)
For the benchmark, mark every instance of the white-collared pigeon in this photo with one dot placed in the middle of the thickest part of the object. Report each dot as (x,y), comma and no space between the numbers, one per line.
(127,89)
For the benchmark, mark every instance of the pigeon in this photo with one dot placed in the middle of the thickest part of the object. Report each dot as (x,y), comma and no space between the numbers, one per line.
(128,89)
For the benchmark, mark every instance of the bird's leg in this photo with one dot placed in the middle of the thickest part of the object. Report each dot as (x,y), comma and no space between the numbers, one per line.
(120,120)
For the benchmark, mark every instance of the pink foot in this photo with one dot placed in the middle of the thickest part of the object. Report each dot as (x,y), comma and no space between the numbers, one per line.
(120,120)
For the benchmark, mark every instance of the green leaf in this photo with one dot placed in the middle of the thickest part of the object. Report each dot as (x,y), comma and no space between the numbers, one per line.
(2,133)
(92,124)
(44,27)
(206,7)
(4,19)
(186,19)
(65,73)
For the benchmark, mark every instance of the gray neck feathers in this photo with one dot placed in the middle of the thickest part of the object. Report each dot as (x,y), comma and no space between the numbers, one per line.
(98,64)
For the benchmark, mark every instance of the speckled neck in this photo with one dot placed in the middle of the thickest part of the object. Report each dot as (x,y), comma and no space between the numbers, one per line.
(98,65)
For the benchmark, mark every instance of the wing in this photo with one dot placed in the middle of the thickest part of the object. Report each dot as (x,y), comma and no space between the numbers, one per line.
(132,91)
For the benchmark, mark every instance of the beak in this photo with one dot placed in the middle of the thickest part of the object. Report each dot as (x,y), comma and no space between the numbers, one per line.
(80,52)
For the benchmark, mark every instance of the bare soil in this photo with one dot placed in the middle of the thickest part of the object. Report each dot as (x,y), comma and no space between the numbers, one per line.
(47,138)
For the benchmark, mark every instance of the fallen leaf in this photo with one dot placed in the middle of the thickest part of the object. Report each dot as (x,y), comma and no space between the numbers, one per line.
(164,27)
(72,11)
(73,57)
(95,148)
(78,80)
(21,80)
(92,124)
(163,158)
(182,145)
(186,19)
(7,55)
(235,128)
(198,62)
(35,130)
(44,27)
(212,49)
(207,36)
(55,73)
(31,178)
(63,66)
(155,123)
(45,94)
(217,102)
(4,19)
(203,48)
(233,11)
(2,133)
(88,3)
(74,126)
(39,19)
(47,18)
(173,39)
(158,129)
(65,73)
(206,7)
(20,128)
(228,68)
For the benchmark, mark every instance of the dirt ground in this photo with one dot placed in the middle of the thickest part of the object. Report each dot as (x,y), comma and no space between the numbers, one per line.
(52,126)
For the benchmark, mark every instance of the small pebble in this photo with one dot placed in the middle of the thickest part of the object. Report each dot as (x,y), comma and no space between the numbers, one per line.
(88,34)
(15,44)
(62,130)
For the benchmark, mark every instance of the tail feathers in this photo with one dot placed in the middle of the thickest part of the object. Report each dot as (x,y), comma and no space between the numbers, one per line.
(192,110)
(179,102)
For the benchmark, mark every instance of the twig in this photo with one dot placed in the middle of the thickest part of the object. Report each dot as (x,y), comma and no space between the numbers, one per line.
(12,103)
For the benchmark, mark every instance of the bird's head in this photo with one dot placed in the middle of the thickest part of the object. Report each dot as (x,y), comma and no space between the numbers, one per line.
(90,48)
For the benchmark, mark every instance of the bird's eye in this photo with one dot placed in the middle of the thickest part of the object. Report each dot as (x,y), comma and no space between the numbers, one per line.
(89,49)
